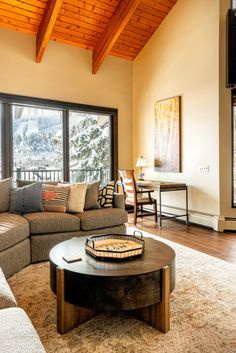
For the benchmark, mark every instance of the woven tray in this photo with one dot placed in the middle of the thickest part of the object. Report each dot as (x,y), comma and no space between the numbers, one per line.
(115,246)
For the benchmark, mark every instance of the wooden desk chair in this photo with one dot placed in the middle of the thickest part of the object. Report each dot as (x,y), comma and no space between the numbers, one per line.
(135,196)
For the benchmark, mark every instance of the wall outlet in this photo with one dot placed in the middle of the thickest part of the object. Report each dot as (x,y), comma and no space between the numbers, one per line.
(204,169)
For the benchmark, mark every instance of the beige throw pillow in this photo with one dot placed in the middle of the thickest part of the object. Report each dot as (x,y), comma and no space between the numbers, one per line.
(76,197)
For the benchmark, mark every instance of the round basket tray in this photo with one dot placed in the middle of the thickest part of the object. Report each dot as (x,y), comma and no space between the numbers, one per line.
(115,246)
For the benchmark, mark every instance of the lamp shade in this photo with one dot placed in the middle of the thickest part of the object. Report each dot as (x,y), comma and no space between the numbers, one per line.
(141,162)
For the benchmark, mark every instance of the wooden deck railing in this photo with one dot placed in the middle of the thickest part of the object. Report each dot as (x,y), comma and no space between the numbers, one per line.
(76,175)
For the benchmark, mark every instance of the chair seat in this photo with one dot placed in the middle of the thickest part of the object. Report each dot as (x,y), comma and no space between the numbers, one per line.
(141,201)
(145,200)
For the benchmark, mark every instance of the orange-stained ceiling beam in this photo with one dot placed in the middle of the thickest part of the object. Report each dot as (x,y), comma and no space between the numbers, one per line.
(112,31)
(46,26)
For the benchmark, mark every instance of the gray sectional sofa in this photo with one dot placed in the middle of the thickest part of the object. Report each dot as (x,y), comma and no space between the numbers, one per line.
(28,238)
(17,334)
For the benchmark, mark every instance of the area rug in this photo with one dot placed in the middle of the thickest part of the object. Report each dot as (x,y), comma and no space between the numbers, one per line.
(203,312)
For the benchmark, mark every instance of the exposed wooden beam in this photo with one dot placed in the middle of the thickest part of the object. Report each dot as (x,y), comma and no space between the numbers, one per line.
(111,33)
(46,26)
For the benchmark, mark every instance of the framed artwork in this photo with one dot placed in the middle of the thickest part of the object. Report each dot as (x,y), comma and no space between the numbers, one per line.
(167,156)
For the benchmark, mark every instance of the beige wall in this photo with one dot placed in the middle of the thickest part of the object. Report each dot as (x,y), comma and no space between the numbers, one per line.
(182,58)
(65,74)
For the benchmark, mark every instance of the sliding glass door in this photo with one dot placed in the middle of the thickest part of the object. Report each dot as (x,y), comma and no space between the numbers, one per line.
(89,147)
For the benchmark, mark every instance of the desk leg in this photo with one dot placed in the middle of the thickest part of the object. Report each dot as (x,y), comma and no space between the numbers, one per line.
(187,219)
(160,221)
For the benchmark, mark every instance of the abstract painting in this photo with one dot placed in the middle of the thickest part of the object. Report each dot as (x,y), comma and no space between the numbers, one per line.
(167,135)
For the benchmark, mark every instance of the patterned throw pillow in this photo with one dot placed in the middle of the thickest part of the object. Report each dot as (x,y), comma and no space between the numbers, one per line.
(106,194)
(55,198)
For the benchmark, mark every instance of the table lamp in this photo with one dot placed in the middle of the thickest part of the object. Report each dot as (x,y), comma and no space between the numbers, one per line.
(141,162)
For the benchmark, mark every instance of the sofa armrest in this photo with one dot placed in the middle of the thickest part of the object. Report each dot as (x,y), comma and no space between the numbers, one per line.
(119,201)
(7,298)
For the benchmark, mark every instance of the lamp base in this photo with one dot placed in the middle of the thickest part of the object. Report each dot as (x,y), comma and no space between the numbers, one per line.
(141,176)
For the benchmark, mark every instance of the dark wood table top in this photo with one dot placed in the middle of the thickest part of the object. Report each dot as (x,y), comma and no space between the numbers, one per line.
(156,255)
(162,185)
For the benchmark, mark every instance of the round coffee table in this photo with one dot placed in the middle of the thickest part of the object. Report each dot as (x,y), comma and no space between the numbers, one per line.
(141,286)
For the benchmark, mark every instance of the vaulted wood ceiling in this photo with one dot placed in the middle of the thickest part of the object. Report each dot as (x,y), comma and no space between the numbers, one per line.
(114,27)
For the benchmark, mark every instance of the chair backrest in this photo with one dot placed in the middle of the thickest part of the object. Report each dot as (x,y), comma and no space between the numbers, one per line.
(128,184)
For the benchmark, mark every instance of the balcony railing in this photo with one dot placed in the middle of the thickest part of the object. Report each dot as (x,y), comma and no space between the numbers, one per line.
(76,175)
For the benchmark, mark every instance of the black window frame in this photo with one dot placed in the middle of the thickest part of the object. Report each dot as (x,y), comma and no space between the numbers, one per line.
(7,100)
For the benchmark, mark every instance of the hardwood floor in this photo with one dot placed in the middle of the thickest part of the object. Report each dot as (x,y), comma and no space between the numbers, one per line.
(220,245)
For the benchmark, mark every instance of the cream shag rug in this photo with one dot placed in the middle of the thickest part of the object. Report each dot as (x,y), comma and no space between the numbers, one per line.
(203,312)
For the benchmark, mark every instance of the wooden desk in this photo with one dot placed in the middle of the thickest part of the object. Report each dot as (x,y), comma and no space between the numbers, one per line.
(162,186)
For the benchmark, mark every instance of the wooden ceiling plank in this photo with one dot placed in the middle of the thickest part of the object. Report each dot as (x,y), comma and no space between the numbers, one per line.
(69,41)
(149,17)
(84,41)
(19,11)
(86,19)
(75,34)
(81,4)
(159,5)
(14,16)
(149,12)
(133,34)
(85,13)
(93,3)
(23,6)
(143,26)
(145,21)
(157,11)
(131,44)
(45,30)
(126,48)
(141,31)
(169,3)
(19,25)
(114,28)
(76,29)
(5,24)
(80,23)
(122,55)
(111,4)
(38,3)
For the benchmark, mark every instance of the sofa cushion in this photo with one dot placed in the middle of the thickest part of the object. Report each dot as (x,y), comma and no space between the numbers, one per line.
(17,333)
(91,197)
(7,299)
(26,199)
(102,218)
(52,222)
(13,229)
(5,186)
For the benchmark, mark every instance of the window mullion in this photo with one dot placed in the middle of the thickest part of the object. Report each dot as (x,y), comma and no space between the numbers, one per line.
(66,173)
(7,140)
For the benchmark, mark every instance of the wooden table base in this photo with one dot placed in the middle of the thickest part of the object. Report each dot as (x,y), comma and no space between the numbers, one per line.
(157,315)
